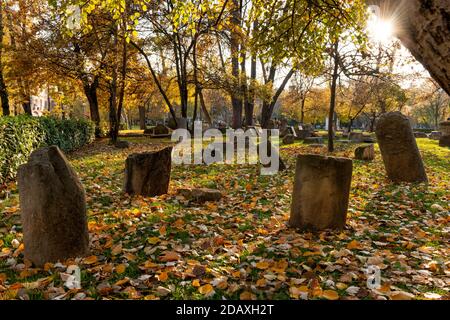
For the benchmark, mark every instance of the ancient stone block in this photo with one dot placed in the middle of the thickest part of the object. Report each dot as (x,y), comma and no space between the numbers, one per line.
(321,192)
(53,208)
(200,194)
(399,150)
(148,173)
(366,152)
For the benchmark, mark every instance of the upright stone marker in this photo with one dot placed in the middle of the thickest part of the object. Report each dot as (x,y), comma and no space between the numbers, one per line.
(321,192)
(366,152)
(148,174)
(444,140)
(53,208)
(399,150)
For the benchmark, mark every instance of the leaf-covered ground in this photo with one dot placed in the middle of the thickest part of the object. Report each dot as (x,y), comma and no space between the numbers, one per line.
(241,247)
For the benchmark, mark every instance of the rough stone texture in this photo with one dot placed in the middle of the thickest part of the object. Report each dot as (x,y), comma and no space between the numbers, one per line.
(356,137)
(321,192)
(435,135)
(423,27)
(315,140)
(302,134)
(161,129)
(200,194)
(368,139)
(366,152)
(148,173)
(444,141)
(399,150)
(288,139)
(419,134)
(445,128)
(53,208)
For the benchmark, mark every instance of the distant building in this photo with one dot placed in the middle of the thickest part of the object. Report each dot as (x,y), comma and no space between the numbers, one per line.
(41,103)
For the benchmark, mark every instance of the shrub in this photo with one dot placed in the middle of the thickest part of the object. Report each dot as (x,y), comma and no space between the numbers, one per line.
(20,135)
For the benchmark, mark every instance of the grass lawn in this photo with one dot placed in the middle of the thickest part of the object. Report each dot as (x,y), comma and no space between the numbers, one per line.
(241,247)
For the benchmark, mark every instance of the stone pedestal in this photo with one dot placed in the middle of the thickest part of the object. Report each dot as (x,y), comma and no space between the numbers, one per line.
(399,150)
(321,192)
(53,208)
(148,174)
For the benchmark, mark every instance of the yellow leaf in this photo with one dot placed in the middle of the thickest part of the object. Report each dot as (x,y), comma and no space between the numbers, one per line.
(130,257)
(163,276)
(236,274)
(330,295)
(354,245)
(312,253)
(121,268)
(149,264)
(179,223)
(90,260)
(116,249)
(170,256)
(196,283)
(153,240)
(48,266)
(262,265)
(246,295)
(206,289)
(261,282)
(1,242)
(341,286)
(162,230)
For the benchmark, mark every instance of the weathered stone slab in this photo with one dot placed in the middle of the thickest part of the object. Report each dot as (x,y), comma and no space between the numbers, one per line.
(148,174)
(200,194)
(435,135)
(288,139)
(399,149)
(53,208)
(321,192)
(356,137)
(444,141)
(366,152)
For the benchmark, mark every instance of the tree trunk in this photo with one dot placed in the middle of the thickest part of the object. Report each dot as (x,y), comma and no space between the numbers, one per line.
(423,27)
(302,111)
(113,120)
(3,88)
(4,94)
(250,105)
(350,125)
(334,78)
(204,110)
(90,90)
(236,100)
(122,82)
(27,107)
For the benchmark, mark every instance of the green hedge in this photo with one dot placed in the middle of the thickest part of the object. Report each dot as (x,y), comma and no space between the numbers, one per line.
(20,135)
